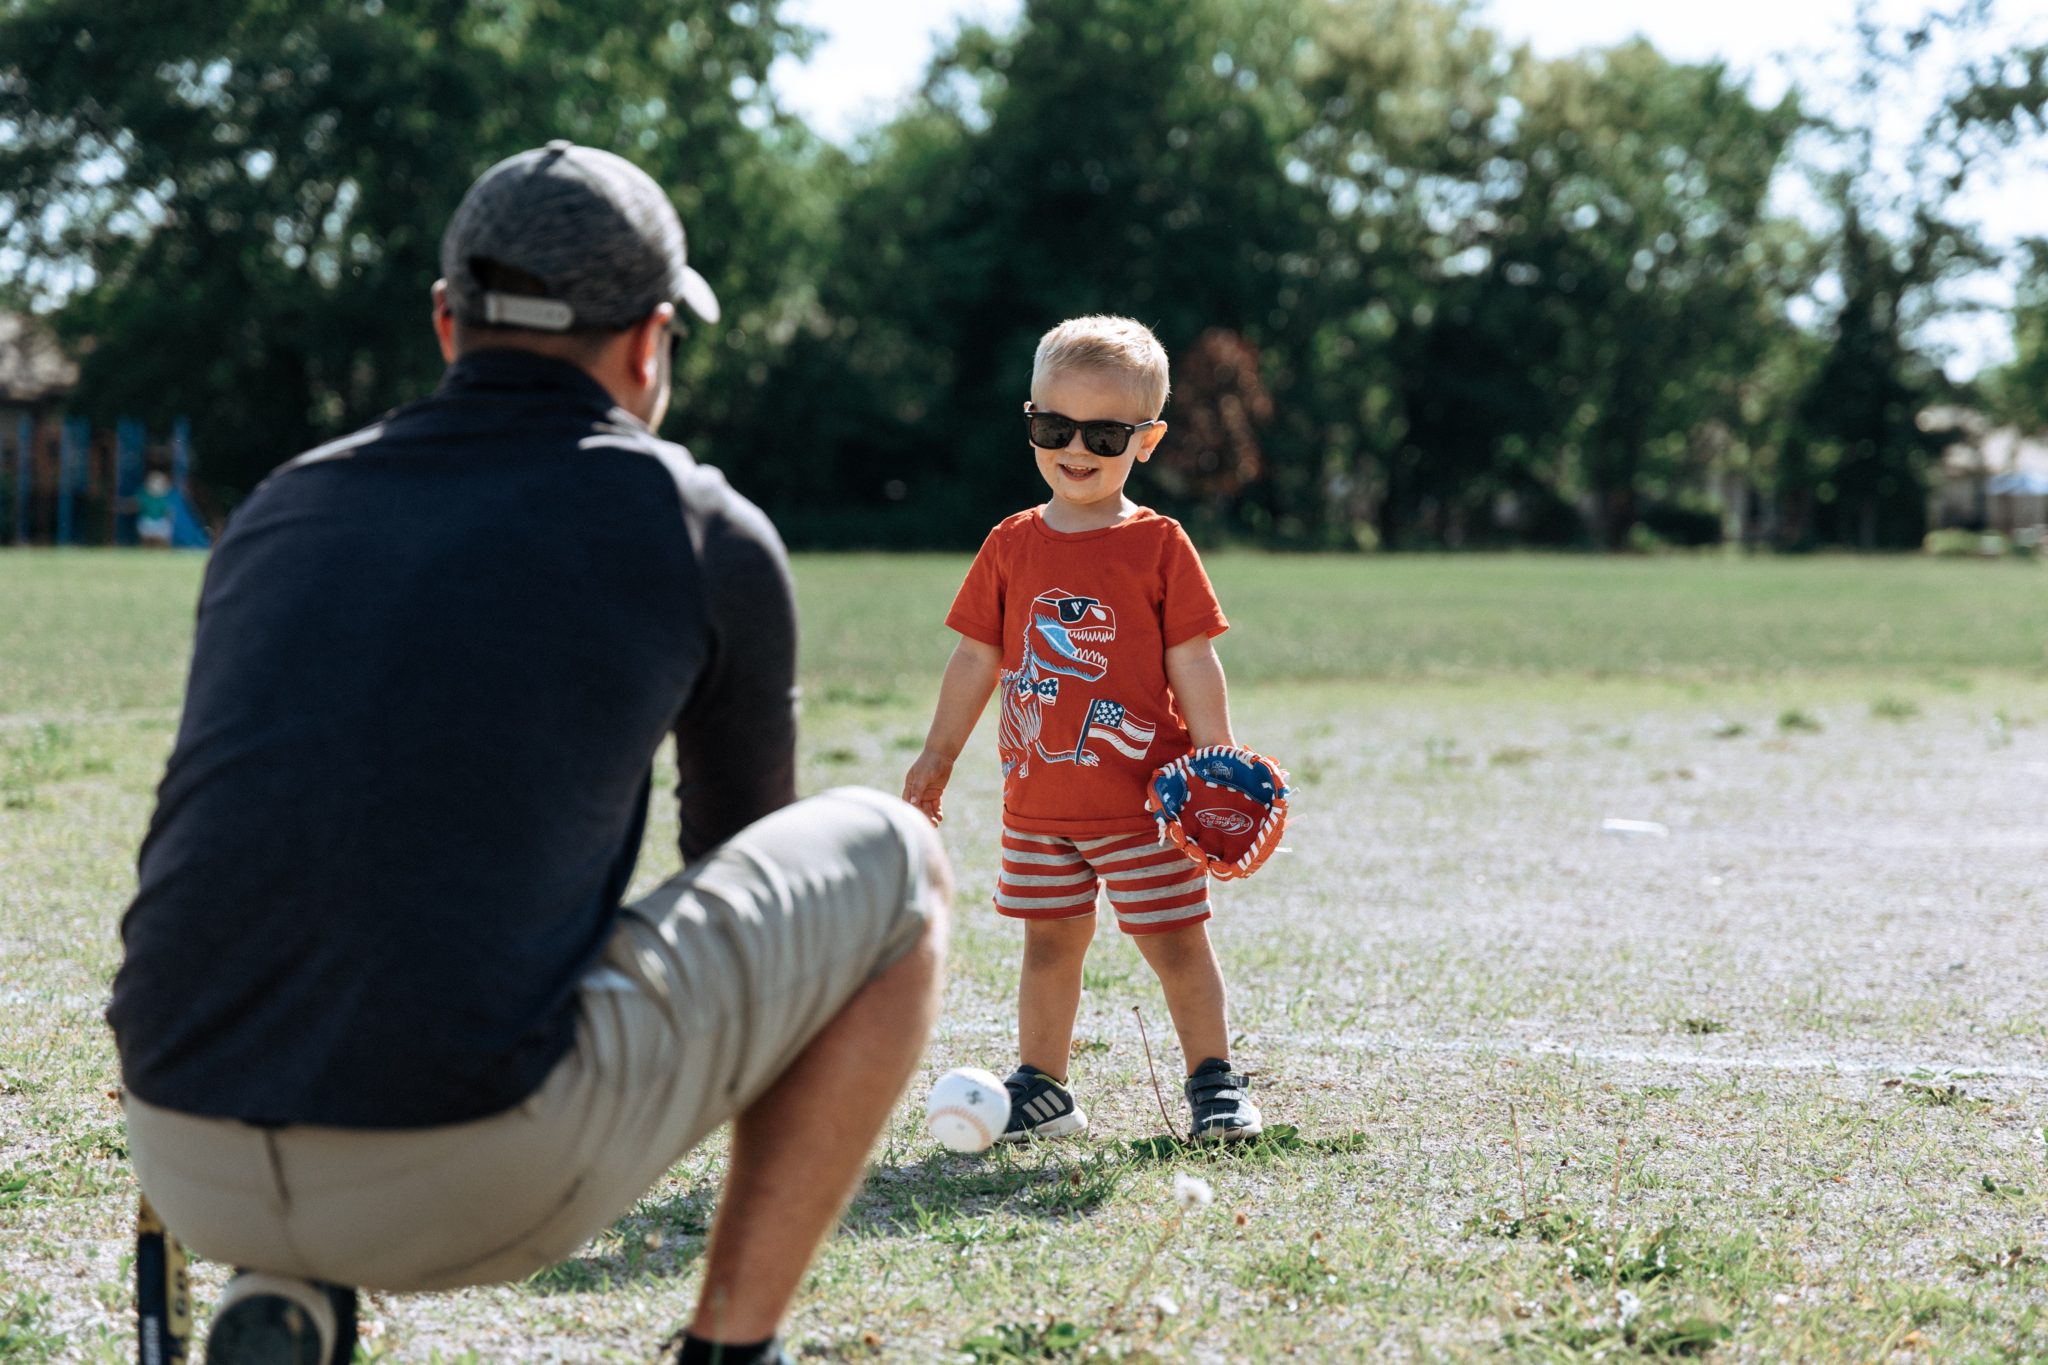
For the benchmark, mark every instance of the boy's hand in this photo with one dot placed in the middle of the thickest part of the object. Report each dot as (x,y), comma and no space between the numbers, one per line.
(926,782)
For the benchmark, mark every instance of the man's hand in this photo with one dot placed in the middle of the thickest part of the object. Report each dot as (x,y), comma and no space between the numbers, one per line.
(926,782)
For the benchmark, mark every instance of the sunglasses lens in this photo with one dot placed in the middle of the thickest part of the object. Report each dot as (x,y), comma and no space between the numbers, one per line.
(1049,432)
(1104,440)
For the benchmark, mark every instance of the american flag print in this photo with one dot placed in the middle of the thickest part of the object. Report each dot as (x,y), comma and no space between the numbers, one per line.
(1123,732)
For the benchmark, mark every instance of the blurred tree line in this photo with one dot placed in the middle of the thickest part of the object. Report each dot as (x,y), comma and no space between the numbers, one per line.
(1422,288)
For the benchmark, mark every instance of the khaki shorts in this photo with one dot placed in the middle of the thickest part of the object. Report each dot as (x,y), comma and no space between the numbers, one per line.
(708,990)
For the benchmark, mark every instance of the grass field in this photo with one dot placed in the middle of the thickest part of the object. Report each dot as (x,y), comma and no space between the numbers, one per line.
(1769,1087)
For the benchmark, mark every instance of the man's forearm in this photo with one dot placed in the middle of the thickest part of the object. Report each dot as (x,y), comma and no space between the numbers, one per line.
(720,793)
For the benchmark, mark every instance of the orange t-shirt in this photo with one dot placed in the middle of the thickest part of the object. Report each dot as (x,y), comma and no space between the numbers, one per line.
(1084,620)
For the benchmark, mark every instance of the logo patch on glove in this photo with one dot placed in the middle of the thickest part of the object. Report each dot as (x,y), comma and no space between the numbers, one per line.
(1225,821)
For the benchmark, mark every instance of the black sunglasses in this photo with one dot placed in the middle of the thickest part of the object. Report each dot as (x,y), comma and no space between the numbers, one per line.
(1103,436)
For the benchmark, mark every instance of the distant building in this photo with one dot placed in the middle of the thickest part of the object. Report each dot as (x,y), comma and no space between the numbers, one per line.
(1989,478)
(36,377)
(36,382)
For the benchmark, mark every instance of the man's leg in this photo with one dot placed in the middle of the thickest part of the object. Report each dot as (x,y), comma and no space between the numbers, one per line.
(788,981)
(800,1149)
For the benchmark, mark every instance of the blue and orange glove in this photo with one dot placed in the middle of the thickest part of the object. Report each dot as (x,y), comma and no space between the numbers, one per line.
(1223,806)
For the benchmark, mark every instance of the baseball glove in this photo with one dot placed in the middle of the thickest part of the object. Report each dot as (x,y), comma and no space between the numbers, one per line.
(1223,806)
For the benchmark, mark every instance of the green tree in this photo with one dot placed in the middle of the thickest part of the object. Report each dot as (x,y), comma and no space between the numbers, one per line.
(239,204)
(1567,266)
(2018,392)
(1859,457)
(2005,99)
(1643,229)
(1417,382)
(1106,156)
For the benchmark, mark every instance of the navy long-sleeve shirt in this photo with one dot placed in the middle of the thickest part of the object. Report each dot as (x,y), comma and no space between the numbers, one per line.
(434,661)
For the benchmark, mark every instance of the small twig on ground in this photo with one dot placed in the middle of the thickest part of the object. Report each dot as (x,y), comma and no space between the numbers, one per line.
(1573,1289)
(1188,1193)
(1157,1094)
(1613,1205)
(1144,1269)
(1521,1171)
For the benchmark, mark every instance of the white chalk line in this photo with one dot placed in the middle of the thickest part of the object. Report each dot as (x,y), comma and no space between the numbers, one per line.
(30,720)
(1802,1064)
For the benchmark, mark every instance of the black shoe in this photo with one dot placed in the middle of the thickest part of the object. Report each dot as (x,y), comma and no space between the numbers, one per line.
(1040,1107)
(683,1349)
(1216,1099)
(265,1319)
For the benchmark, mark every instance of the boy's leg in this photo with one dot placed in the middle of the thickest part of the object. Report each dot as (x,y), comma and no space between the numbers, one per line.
(1218,1108)
(1185,962)
(1049,991)
(1161,900)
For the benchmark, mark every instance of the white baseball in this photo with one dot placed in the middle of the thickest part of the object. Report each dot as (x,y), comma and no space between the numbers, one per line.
(967,1109)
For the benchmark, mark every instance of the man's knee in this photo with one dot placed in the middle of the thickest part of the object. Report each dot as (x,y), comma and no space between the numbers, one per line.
(928,874)
(937,869)
(924,857)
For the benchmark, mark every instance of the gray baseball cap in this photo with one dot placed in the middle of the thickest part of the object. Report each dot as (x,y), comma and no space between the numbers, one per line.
(592,227)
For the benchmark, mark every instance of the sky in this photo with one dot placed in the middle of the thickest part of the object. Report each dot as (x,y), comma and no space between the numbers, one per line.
(873,55)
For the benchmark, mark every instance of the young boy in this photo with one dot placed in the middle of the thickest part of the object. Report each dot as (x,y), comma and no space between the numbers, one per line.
(1093,616)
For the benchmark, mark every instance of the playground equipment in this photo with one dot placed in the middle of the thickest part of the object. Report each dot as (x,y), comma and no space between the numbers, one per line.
(68,485)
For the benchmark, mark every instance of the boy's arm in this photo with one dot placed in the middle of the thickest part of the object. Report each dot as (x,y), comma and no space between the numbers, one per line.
(1196,676)
(970,676)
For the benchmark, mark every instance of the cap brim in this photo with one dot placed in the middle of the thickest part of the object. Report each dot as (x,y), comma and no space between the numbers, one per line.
(696,293)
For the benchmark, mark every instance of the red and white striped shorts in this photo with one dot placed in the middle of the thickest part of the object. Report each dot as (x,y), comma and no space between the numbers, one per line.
(1153,887)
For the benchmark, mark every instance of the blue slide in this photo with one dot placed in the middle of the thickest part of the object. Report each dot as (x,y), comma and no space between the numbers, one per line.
(187,531)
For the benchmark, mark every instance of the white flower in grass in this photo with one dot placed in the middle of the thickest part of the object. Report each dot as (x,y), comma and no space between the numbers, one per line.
(1626,1306)
(1163,1304)
(1192,1192)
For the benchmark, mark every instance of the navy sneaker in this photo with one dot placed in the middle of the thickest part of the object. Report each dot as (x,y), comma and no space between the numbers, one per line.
(683,1349)
(1216,1099)
(265,1319)
(1040,1107)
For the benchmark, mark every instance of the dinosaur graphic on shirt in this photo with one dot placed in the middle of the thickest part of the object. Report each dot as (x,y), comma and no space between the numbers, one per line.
(1057,639)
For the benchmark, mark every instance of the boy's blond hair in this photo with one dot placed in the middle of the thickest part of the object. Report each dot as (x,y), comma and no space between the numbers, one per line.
(1124,347)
